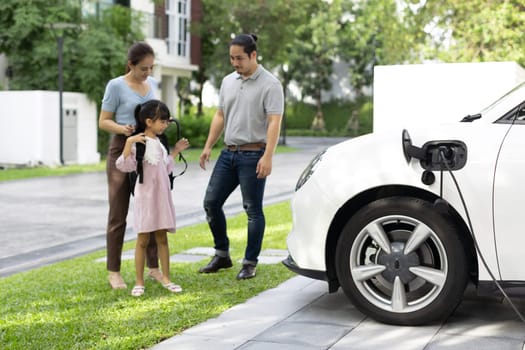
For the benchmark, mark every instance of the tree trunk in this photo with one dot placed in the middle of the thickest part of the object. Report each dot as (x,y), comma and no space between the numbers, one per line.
(318,123)
(353,122)
(201,79)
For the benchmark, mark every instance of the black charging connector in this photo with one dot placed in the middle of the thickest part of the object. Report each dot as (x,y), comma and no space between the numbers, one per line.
(453,153)
(433,154)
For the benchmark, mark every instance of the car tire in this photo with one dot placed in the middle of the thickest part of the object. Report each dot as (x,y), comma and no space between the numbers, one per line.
(400,261)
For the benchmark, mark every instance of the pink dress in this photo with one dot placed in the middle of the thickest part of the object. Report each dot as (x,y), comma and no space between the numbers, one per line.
(153,207)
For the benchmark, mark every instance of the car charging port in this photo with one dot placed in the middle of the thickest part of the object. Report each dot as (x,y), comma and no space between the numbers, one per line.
(444,154)
(436,155)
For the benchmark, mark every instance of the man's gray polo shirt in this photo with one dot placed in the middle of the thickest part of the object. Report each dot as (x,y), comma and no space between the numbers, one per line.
(246,105)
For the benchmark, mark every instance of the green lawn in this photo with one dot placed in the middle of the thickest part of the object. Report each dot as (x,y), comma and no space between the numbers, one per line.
(69,305)
(191,155)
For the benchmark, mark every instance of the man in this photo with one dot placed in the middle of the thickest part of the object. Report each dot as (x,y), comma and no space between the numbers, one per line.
(251,105)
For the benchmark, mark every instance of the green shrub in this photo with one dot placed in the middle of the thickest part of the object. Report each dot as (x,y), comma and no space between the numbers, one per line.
(102,143)
(336,114)
(194,128)
(299,117)
(366,112)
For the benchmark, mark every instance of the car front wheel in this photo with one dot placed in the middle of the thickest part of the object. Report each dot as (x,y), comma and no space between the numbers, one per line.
(400,261)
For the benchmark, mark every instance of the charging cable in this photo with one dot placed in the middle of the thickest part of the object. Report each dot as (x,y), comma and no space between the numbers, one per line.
(444,161)
(181,157)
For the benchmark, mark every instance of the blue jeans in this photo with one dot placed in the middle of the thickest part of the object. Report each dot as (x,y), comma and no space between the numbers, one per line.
(231,170)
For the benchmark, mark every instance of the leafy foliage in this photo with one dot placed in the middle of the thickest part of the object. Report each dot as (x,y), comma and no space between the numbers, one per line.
(94,49)
(475,30)
(27,37)
(375,32)
(315,49)
(300,40)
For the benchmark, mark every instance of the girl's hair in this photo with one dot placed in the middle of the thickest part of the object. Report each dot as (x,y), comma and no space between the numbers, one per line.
(153,109)
(137,52)
(247,41)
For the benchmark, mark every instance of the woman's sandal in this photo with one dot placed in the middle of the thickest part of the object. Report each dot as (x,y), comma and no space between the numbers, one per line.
(137,291)
(116,281)
(172,287)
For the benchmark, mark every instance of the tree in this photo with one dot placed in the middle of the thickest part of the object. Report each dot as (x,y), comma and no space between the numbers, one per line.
(474,30)
(27,39)
(212,30)
(273,21)
(373,33)
(94,52)
(314,48)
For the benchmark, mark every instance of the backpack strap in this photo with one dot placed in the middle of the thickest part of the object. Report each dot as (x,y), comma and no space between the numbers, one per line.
(164,140)
(139,156)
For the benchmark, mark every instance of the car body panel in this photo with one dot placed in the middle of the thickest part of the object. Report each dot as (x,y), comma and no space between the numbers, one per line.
(509,205)
(384,164)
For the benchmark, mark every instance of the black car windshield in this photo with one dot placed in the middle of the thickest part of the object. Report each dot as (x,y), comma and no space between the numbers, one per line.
(508,101)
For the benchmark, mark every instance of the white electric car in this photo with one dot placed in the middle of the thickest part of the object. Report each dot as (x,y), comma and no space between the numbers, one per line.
(403,221)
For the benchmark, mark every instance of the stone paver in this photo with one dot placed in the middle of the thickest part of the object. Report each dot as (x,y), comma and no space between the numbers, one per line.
(270,256)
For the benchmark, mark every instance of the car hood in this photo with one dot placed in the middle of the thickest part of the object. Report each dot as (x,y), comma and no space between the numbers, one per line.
(377,159)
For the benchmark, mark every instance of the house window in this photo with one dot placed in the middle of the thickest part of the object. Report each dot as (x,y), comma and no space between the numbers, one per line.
(178,12)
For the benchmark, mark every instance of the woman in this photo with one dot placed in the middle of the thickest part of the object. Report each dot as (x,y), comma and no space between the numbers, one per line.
(122,95)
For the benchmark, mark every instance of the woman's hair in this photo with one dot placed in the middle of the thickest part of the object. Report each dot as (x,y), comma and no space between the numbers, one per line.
(153,109)
(247,41)
(137,52)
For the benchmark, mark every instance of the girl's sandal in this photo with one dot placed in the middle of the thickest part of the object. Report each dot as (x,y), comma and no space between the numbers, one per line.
(172,287)
(137,291)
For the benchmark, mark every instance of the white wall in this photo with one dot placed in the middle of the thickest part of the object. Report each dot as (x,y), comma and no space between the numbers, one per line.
(31,128)
(87,137)
(424,94)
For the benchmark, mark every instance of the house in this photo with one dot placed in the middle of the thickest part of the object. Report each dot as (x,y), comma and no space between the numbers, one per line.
(166,28)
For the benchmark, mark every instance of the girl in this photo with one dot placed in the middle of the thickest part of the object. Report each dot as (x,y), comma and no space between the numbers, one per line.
(153,209)
(122,94)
